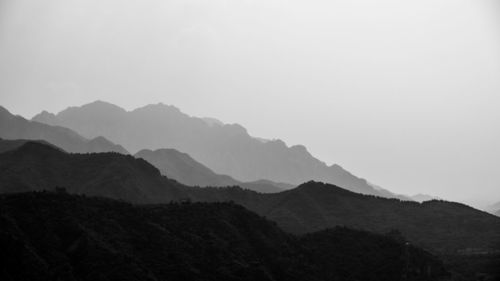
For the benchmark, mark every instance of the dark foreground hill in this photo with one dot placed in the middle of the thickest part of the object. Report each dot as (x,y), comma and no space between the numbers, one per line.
(57,236)
(454,231)
(183,168)
(16,127)
(443,227)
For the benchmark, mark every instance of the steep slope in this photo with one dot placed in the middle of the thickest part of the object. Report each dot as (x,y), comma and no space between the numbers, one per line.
(49,236)
(16,127)
(444,227)
(226,149)
(183,168)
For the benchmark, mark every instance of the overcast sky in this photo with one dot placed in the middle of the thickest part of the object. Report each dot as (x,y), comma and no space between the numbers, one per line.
(403,93)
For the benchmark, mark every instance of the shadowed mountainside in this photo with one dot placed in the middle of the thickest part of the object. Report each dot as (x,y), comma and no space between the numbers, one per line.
(436,225)
(16,127)
(101,239)
(35,166)
(183,168)
(226,149)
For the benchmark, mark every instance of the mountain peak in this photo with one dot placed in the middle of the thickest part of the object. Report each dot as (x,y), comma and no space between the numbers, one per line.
(101,105)
(159,107)
(45,117)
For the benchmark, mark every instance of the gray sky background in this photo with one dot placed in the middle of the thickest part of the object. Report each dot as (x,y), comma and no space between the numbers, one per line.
(404,93)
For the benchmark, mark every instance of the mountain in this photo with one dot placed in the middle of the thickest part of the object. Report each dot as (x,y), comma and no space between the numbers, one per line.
(225,149)
(183,168)
(16,127)
(423,197)
(443,227)
(57,236)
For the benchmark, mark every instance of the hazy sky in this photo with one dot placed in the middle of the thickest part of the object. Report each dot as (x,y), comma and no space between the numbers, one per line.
(404,93)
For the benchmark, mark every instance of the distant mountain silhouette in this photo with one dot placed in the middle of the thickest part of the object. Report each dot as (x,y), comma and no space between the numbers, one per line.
(16,127)
(226,149)
(423,197)
(443,227)
(57,236)
(183,168)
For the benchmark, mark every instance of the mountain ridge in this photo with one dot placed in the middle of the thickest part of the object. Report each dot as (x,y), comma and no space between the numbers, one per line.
(226,149)
(16,127)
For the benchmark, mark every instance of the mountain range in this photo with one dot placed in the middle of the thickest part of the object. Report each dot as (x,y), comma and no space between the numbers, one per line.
(77,151)
(172,163)
(16,127)
(443,227)
(226,149)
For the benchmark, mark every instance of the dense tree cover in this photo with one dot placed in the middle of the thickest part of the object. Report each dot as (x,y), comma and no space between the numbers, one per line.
(58,236)
(455,231)
(442,227)
(445,227)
